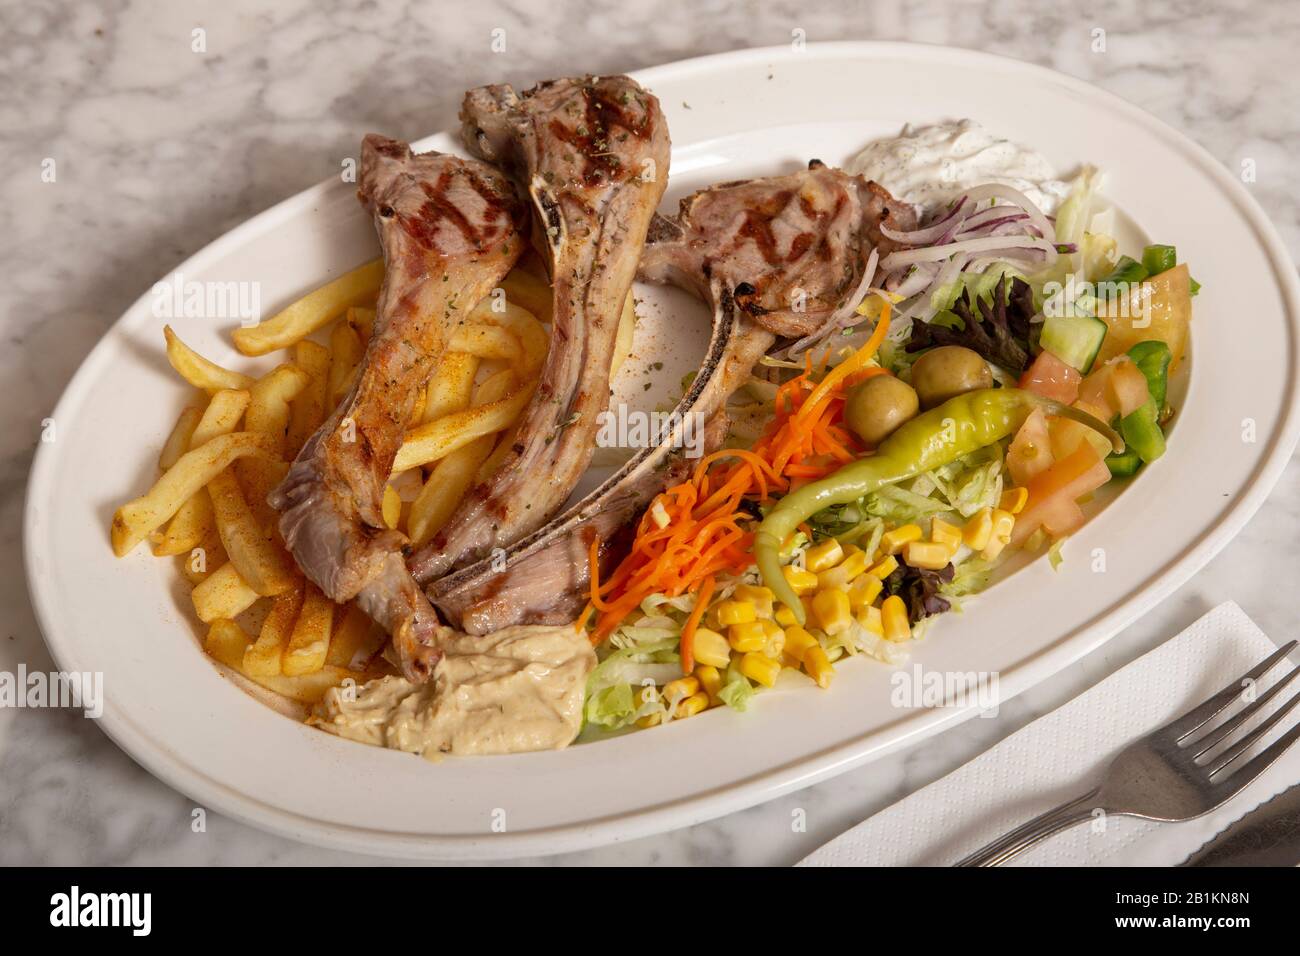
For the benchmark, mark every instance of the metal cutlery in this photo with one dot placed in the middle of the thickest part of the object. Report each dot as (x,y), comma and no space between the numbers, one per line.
(1173,773)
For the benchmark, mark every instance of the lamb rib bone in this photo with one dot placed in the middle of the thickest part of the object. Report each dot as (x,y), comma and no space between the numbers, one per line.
(449,228)
(592,154)
(752,250)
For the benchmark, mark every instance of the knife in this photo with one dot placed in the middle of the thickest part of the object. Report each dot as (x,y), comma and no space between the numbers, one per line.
(1269,835)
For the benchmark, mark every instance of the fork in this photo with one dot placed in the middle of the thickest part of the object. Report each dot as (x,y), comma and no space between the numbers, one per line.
(1161,776)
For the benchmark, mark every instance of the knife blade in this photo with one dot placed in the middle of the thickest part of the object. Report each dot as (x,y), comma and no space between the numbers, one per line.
(1269,835)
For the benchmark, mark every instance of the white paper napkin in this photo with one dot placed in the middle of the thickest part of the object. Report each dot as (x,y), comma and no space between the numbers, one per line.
(1063,754)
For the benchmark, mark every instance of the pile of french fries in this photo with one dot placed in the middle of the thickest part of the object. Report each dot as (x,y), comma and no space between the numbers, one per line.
(234,444)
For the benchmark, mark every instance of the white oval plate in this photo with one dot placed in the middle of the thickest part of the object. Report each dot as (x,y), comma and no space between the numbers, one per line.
(751,112)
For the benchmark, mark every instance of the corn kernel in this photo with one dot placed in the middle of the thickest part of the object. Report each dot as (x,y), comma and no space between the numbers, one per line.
(785,617)
(893,615)
(863,591)
(760,668)
(682,688)
(1003,522)
(870,618)
(844,572)
(747,637)
(818,666)
(831,609)
(994,548)
(650,720)
(1013,500)
(758,596)
(692,705)
(887,566)
(822,556)
(710,679)
(948,535)
(736,612)
(711,648)
(800,581)
(893,541)
(926,554)
(798,641)
(978,530)
(773,639)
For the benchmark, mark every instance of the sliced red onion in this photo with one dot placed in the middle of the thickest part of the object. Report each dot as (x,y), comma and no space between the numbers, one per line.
(1011,195)
(906,257)
(994,214)
(930,233)
(915,281)
(843,316)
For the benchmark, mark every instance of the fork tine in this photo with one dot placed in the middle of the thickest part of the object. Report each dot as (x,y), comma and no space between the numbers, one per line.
(1239,748)
(1221,732)
(1195,718)
(1239,779)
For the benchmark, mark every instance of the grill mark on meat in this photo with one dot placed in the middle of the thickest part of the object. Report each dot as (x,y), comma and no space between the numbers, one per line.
(449,230)
(576,147)
(703,250)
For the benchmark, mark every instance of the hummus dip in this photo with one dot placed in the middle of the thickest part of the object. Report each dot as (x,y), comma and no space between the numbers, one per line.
(517,690)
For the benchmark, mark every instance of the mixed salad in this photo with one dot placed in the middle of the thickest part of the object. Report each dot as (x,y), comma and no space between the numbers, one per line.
(999,370)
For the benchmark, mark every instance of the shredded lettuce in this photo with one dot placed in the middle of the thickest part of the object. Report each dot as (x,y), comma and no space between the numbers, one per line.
(736,690)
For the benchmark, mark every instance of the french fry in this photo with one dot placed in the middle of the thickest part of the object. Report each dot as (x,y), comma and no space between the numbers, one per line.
(487,342)
(222,594)
(309,408)
(223,413)
(269,398)
(355,640)
(136,519)
(258,558)
(262,657)
(452,385)
(521,323)
(345,354)
(623,337)
(226,641)
(202,561)
(310,639)
(392,506)
(455,474)
(363,321)
(313,311)
(178,440)
(199,371)
(191,524)
(530,292)
(268,414)
(451,479)
(441,436)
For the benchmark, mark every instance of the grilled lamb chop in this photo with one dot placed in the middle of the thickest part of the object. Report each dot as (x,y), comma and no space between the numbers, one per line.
(766,255)
(593,156)
(450,232)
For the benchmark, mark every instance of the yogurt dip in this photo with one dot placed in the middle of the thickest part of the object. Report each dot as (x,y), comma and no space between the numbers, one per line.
(931,165)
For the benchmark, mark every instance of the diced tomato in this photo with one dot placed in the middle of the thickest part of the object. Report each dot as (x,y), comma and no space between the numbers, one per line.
(1118,388)
(1031,450)
(1053,494)
(1068,434)
(1052,378)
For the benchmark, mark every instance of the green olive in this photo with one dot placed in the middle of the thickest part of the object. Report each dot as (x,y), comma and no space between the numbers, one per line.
(946,372)
(879,405)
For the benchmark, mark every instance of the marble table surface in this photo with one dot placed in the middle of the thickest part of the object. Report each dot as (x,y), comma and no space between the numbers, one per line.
(161,149)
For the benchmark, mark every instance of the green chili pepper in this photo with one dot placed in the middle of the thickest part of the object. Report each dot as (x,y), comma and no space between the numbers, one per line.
(959,426)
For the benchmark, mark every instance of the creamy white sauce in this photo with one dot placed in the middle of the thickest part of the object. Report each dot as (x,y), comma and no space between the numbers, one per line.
(931,165)
(517,690)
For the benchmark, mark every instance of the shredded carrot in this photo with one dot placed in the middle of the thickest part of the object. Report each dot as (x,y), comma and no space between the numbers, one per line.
(702,598)
(703,535)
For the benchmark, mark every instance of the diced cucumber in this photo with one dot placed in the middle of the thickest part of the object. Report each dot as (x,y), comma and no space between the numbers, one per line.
(1074,339)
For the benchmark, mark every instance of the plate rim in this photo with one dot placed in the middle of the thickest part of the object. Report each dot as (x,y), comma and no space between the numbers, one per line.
(771,782)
